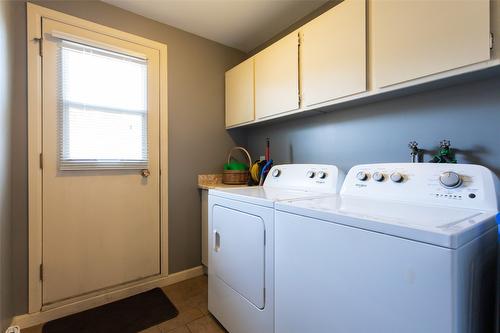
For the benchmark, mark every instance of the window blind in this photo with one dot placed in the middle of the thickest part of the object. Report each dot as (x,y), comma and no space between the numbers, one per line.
(102,109)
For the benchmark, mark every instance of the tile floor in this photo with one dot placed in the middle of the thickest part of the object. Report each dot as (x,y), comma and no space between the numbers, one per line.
(191,299)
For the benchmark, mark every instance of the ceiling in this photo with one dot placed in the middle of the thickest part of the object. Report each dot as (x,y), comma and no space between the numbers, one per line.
(242,24)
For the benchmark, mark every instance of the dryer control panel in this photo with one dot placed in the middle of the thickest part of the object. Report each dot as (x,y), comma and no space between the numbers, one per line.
(322,178)
(455,185)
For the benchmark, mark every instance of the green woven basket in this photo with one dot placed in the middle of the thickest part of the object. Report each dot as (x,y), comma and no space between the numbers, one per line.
(236,173)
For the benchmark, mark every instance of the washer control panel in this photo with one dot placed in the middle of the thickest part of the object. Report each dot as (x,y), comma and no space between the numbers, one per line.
(315,177)
(458,185)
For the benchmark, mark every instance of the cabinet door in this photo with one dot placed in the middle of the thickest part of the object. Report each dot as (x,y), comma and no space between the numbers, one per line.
(333,53)
(277,77)
(240,93)
(415,38)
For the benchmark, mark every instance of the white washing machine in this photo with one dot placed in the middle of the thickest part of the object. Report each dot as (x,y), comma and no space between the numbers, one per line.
(404,248)
(241,248)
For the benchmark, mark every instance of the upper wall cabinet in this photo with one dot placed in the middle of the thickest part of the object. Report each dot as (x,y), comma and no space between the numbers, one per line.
(277,78)
(333,53)
(363,48)
(240,94)
(415,38)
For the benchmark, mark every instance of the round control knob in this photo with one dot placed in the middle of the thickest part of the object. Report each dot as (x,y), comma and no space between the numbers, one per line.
(276,173)
(397,177)
(450,179)
(310,174)
(378,176)
(321,174)
(362,176)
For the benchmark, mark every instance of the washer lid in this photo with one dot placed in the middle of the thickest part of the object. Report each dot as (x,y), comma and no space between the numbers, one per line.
(442,226)
(264,196)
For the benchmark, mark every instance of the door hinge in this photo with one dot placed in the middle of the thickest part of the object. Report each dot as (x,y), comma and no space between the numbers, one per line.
(41,272)
(492,40)
(40,46)
(41,161)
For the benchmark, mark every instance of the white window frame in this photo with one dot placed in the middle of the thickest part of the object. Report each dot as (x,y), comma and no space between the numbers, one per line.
(37,315)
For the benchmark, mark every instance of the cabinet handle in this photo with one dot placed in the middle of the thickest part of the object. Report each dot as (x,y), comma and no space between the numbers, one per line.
(216,241)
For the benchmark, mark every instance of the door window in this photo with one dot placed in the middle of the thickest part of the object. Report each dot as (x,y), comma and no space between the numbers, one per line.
(102,108)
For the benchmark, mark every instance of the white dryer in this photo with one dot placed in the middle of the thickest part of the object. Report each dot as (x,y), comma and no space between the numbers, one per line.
(241,248)
(404,248)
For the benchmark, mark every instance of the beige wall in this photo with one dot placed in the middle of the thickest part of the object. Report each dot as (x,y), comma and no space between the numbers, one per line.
(198,142)
(6,59)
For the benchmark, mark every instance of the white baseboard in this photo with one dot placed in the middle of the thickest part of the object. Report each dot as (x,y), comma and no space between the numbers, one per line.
(37,318)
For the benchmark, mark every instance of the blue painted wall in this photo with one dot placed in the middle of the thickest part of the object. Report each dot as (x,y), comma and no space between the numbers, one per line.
(467,114)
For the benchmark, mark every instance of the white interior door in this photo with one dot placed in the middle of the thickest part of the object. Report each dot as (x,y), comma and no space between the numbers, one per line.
(101,195)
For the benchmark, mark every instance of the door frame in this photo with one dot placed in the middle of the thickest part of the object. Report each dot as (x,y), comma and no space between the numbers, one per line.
(35,14)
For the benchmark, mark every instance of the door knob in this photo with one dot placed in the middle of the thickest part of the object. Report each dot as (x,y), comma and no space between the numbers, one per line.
(145,172)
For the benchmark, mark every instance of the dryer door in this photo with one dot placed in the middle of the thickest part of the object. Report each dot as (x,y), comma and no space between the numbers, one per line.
(238,252)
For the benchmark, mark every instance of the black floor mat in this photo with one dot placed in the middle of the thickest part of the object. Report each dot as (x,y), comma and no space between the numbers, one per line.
(129,315)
